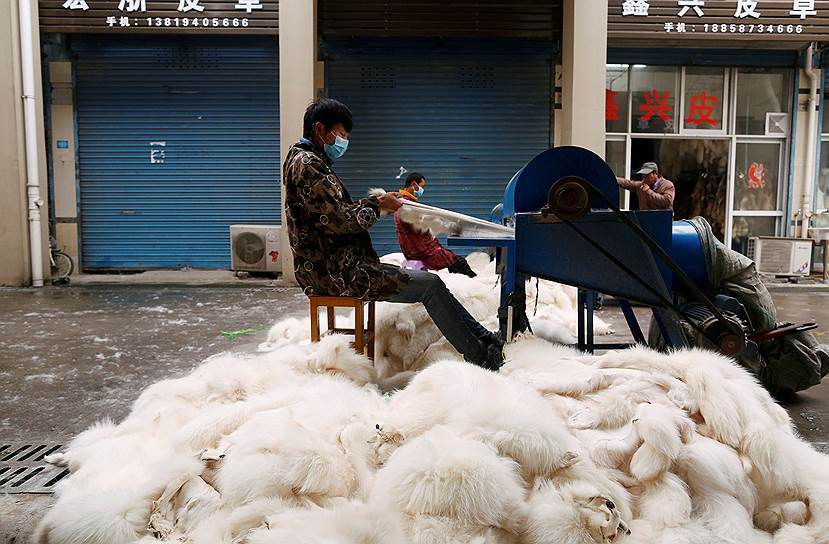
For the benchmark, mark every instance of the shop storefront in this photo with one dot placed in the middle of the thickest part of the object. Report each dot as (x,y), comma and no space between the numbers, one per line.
(174,133)
(716,114)
(719,133)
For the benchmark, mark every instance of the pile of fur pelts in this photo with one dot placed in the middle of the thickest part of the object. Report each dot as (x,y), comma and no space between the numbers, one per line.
(408,340)
(299,445)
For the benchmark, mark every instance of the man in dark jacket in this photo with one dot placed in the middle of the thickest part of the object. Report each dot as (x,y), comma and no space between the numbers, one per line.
(333,255)
(421,245)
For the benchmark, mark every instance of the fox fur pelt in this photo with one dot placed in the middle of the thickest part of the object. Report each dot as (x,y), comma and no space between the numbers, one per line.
(407,340)
(299,444)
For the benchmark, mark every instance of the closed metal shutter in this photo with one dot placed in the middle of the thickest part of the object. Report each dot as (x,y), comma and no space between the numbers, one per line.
(441,18)
(178,138)
(465,114)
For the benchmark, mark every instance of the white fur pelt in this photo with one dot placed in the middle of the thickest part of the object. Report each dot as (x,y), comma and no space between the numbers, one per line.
(298,444)
(407,340)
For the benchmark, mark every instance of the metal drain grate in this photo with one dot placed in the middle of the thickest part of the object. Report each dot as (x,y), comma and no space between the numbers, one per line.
(23,470)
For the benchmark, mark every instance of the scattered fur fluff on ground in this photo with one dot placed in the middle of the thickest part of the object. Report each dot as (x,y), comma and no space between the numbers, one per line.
(299,445)
(407,340)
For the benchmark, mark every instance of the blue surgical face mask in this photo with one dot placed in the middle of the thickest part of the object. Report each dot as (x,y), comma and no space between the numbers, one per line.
(337,149)
(419,192)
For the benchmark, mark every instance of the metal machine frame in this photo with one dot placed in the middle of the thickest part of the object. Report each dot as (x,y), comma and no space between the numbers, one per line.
(569,230)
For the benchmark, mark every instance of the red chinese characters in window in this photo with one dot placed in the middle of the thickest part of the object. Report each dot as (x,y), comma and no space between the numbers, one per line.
(656,103)
(701,108)
(611,108)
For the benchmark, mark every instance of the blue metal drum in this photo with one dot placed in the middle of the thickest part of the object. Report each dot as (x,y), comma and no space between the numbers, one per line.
(686,251)
(528,188)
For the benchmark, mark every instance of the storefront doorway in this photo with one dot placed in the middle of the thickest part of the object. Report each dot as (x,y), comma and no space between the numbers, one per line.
(699,169)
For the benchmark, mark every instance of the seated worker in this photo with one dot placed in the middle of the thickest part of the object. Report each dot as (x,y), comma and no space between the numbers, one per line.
(421,245)
(654,192)
(333,255)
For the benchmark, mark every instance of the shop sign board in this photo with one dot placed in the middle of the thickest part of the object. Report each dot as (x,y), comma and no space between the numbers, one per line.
(719,20)
(700,112)
(160,16)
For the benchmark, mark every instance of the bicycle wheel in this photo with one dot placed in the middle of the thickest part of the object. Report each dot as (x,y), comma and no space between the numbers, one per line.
(64,266)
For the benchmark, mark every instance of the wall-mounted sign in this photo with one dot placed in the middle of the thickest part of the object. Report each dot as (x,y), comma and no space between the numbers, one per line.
(161,16)
(719,20)
(158,152)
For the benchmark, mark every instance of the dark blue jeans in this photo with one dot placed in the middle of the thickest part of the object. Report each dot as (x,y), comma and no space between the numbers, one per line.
(465,334)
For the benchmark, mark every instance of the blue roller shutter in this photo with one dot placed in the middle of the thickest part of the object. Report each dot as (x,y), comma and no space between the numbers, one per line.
(178,138)
(466,114)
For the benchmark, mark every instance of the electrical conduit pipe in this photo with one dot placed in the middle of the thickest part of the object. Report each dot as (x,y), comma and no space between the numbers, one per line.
(811,142)
(27,62)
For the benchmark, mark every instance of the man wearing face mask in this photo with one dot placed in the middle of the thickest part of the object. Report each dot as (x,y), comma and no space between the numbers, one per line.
(420,245)
(333,255)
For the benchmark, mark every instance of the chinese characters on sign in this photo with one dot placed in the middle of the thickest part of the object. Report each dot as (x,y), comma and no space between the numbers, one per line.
(635,7)
(746,8)
(701,108)
(132,5)
(749,14)
(186,5)
(611,110)
(656,104)
(686,5)
(248,5)
(193,13)
(76,4)
(803,8)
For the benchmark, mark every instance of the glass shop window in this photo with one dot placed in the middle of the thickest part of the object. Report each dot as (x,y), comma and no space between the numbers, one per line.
(654,106)
(757,176)
(746,227)
(760,92)
(822,193)
(615,155)
(704,99)
(616,98)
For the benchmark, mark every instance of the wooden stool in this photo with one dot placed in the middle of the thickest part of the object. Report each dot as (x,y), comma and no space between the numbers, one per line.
(363,334)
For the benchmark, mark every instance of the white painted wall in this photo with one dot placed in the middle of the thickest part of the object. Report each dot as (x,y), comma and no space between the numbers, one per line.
(584,56)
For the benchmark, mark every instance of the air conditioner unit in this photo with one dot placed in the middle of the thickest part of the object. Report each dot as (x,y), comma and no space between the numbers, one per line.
(255,248)
(781,256)
(777,124)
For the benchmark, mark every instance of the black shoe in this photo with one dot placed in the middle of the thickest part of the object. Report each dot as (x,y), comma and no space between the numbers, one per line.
(494,352)
(494,357)
(462,267)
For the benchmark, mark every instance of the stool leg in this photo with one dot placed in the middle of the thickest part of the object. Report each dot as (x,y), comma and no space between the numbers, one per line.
(370,351)
(332,318)
(315,321)
(359,324)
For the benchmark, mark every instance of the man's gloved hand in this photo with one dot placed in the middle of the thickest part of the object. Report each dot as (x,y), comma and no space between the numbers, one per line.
(462,267)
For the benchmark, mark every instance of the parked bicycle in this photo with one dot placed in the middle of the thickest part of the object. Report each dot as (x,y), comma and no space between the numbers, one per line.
(62,264)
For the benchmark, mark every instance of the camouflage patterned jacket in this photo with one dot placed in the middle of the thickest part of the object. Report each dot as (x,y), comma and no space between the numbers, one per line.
(328,231)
